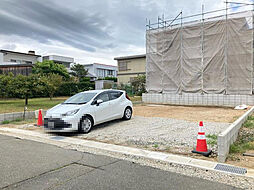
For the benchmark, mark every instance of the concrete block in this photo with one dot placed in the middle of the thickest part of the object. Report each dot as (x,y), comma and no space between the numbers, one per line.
(8,116)
(227,137)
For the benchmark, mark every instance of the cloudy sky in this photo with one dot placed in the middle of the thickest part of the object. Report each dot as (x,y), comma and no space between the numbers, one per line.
(88,30)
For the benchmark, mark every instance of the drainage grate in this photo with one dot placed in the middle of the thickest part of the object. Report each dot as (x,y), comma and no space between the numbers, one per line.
(230,169)
(57,138)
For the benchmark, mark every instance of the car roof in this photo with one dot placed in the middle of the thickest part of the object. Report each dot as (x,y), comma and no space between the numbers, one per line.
(104,90)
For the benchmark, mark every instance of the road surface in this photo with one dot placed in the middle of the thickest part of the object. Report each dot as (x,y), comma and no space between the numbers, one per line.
(31,165)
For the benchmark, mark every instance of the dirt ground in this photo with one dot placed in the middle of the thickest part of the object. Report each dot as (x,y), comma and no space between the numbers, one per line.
(243,161)
(189,113)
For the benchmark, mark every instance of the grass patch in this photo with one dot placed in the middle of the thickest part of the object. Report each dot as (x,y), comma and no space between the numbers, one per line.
(6,122)
(249,123)
(155,145)
(136,98)
(17,105)
(245,140)
(241,148)
(251,117)
(212,139)
(13,121)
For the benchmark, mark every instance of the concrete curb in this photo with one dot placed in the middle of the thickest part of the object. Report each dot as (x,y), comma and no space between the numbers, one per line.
(229,136)
(17,115)
(75,143)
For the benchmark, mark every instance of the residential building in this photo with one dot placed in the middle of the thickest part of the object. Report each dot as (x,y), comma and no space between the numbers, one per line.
(7,56)
(17,62)
(130,67)
(98,70)
(66,61)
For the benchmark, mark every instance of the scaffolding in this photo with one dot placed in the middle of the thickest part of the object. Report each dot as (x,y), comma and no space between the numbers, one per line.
(209,55)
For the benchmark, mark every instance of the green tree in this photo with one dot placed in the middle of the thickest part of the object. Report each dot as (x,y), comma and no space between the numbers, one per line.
(5,82)
(138,84)
(52,83)
(47,67)
(26,86)
(79,71)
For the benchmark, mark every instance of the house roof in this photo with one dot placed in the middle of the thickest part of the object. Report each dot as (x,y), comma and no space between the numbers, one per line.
(100,64)
(15,52)
(130,57)
(15,65)
(91,75)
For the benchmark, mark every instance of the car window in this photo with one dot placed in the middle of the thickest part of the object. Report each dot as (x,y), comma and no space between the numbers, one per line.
(80,98)
(115,95)
(103,96)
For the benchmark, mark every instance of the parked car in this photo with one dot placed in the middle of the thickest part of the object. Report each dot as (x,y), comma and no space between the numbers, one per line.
(86,109)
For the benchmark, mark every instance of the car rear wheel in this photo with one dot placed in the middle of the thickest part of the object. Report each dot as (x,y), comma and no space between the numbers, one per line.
(86,125)
(127,113)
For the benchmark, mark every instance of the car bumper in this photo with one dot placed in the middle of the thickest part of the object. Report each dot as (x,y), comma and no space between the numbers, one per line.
(57,125)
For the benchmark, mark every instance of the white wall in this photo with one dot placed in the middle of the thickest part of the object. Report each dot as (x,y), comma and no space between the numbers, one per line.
(1,58)
(93,69)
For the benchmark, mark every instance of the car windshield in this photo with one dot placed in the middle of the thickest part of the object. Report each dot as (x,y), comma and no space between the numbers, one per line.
(80,98)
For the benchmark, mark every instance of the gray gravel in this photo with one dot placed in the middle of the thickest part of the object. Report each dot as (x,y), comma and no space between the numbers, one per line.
(161,133)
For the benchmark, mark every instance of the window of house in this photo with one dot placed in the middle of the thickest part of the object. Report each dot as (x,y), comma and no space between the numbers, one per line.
(110,72)
(122,66)
(100,73)
(16,61)
(28,62)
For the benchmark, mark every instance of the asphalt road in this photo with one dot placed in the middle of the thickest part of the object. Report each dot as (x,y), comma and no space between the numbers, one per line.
(32,165)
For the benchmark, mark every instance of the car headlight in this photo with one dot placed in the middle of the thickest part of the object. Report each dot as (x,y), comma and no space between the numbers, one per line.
(70,113)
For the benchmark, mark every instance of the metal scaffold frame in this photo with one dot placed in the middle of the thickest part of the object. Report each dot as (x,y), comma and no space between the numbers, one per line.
(180,23)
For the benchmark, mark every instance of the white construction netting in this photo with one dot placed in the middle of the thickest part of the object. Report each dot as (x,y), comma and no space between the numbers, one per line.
(207,56)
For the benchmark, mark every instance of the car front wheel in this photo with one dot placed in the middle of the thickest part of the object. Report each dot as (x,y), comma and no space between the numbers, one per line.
(86,125)
(127,113)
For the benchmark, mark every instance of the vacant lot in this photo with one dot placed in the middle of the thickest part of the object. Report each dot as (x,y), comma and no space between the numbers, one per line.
(189,113)
(160,127)
(163,134)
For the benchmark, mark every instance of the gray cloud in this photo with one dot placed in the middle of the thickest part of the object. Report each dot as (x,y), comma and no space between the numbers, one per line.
(9,46)
(46,21)
(89,25)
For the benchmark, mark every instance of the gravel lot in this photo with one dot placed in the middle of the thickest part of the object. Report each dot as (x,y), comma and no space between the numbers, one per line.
(166,134)
(155,133)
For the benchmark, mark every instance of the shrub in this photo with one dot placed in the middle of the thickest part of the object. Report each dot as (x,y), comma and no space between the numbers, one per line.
(71,88)
(111,78)
(138,84)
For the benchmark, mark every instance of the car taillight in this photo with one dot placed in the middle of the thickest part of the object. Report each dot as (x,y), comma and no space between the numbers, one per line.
(127,96)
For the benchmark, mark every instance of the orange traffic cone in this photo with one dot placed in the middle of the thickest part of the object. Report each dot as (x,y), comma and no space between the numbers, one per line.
(201,147)
(39,121)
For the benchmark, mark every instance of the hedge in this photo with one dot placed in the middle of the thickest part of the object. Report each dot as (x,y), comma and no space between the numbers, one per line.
(71,88)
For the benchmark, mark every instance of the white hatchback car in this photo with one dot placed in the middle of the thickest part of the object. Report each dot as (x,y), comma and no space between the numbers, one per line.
(86,109)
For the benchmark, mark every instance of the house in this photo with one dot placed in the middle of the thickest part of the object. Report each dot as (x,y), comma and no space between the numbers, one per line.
(17,62)
(7,56)
(99,71)
(66,61)
(130,67)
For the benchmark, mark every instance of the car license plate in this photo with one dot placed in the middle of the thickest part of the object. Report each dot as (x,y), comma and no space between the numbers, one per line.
(50,124)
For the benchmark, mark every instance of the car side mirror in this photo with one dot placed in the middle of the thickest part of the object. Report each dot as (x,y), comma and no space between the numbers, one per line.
(98,102)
